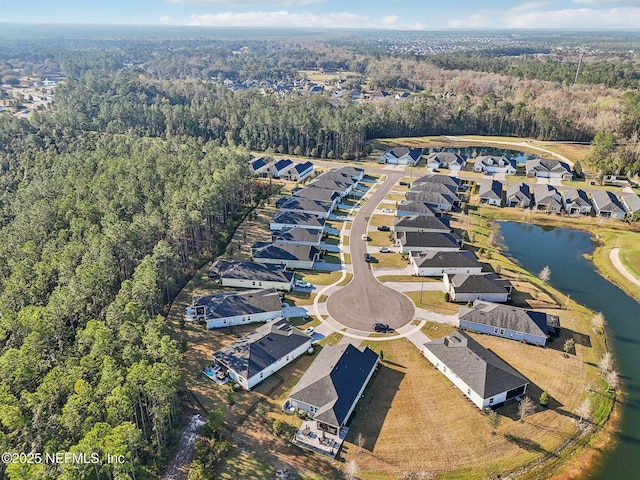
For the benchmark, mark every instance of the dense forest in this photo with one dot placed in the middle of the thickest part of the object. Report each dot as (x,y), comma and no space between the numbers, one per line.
(137,173)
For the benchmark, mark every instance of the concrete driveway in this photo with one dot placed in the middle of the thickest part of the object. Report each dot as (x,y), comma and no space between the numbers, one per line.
(364,300)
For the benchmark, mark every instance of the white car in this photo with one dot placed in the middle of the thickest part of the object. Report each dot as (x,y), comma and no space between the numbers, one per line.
(365,237)
(302,284)
(387,210)
(385,249)
(309,331)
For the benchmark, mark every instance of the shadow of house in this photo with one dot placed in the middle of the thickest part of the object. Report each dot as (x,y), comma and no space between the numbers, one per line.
(527,444)
(557,342)
(510,409)
(372,410)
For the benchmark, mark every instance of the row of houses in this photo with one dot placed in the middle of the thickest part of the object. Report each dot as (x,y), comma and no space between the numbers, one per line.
(284,169)
(299,226)
(550,199)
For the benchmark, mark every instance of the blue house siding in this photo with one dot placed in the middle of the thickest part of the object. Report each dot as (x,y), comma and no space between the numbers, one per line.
(503,332)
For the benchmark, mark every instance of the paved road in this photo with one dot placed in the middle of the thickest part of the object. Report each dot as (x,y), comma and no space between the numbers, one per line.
(364,300)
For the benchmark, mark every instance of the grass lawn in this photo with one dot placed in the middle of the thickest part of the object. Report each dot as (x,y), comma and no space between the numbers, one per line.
(628,243)
(380,239)
(332,257)
(631,260)
(388,260)
(395,197)
(346,280)
(347,258)
(433,300)
(384,205)
(435,330)
(405,278)
(331,240)
(320,278)
(377,220)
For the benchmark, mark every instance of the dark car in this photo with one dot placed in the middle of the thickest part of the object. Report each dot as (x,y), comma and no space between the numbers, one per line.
(404,184)
(384,228)
(380,327)
(367,257)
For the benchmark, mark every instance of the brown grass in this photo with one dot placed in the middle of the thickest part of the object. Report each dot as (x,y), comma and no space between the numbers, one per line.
(389,260)
(433,300)
(435,330)
(377,220)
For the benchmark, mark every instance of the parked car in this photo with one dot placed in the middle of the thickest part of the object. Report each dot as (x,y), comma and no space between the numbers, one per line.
(384,228)
(380,327)
(367,257)
(365,237)
(385,249)
(309,331)
(302,284)
(404,184)
(387,210)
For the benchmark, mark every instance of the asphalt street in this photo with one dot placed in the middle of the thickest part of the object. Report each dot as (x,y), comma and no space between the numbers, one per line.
(365,300)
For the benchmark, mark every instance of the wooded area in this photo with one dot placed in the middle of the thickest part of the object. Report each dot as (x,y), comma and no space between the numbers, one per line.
(137,174)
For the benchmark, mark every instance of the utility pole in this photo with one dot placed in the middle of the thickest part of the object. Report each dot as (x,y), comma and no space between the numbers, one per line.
(575,80)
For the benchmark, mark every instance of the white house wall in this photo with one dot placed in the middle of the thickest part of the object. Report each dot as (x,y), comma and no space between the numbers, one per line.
(440,271)
(242,319)
(503,332)
(290,264)
(411,248)
(245,283)
(470,297)
(278,364)
(287,226)
(477,400)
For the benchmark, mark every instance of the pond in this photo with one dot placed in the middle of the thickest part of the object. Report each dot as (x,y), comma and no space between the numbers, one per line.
(472,151)
(563,251)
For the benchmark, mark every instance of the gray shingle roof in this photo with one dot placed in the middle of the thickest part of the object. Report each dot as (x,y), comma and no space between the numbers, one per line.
(260,272)
(285,251)
(262,347)
(317,193)
(490,189)
(248,302)
(306,204)
(434,198)
(460,259)
(398,152)
(631,202)
(423,221)
(428,239)
(547,165)
(481,369)
(300,218)
(512,318)
(576,196)
(334,380)
(547,195)
(418,208)
(298,235)
(518,192)
(467,283)
(443,179)
(607,201)
(446,158)
(445,188)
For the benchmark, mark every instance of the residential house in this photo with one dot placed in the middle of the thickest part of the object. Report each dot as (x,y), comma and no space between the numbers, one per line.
(630,202)
(299,171)
(490,192)
(410,208)
(307,205)
(442,201)
(262,352)
(259,167)
(454,182)
(330,389)
(296,219)
(421,223)
(575,201)
(548,168)
(428,242)
(607,205)
(547,198)
(401,156)
(291,255)
(342,186)
(505,321)
(518,195)
(479,373)
(401,96)
(251,275)
(437,187)
(298,236)
(327,195)
(492,164)
(453,161)
(236,308)
(436,264)
(355,173)
(280,167)
(465,287)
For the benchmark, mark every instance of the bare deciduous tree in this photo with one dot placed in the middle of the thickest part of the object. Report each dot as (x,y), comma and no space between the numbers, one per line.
(612,379)
(526,407)
(606,362)
(569,345)
(584,410)
(598,321)
(493,420)
(360,441)
(351,470)
(545,274)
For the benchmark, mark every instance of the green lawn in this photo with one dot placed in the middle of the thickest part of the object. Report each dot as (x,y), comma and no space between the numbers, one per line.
(388,260)
(631,260)
(321,278)
(380,239)
(434,301)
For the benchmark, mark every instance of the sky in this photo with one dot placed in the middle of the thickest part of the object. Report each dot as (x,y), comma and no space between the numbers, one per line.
(369,14)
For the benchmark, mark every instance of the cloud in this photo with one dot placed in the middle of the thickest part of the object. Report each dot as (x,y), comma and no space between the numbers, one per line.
(535,15)
(635,3)
(245,2)
(294,20)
